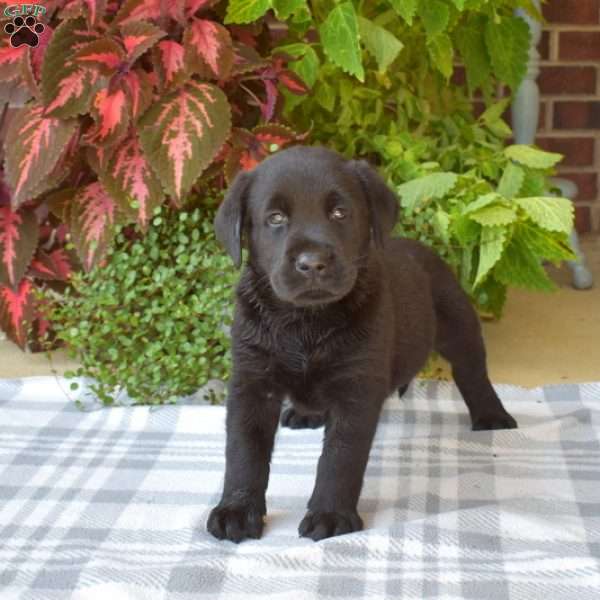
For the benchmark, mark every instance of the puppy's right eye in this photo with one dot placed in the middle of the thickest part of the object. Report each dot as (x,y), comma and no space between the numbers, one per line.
(275,219)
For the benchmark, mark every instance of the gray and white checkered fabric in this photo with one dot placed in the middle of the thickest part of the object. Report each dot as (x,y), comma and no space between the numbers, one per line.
(112,504)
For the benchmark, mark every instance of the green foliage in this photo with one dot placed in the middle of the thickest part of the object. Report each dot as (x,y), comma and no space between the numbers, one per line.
(508,43)
(153,319)
(380,74)
(415,37)
(339,35)
(490,235)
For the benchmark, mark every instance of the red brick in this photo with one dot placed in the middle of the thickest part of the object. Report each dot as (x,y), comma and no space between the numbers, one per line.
(583,219)
(544,45)
(587,184)
(577,115)
(567,80)
(578,151)
(579,45)
(579,12)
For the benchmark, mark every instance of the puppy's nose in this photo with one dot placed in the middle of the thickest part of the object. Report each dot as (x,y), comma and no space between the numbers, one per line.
(311,263)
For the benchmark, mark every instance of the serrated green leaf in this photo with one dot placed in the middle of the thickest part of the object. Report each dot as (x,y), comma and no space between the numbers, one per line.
(405,8)
(511,181)
(382,44)
(246,11)
(508,46)
(481,201)
(465,230)
(549,212)
(284,9)
(495,111)
(552,246)
(295,50)
(307,67)
(494,215)
(471,45)
(325,95)
(442,54)
(492,242)
(531,156)
(492,118)
(460,4)
(340,39)
(534,184)
(435,185)
(441,224)
(520,267)
(434,14)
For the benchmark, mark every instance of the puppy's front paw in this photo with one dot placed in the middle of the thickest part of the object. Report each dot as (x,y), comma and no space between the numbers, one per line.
(320,525)
(235,522)
(497,421)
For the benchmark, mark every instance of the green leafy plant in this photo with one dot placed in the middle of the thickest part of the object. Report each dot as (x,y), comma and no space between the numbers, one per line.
(494,234)
(380,78)
(152,320)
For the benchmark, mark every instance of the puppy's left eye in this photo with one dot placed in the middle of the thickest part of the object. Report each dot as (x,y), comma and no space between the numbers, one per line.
(338,213)
(277,218)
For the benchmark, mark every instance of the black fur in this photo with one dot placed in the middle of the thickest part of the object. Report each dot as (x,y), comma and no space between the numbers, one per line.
(335,315)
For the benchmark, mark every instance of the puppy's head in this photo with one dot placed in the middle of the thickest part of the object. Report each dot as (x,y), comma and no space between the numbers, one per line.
(308,217)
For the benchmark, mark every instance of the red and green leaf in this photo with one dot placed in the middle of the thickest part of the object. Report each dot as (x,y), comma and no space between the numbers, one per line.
(53,266)
(246,59)
(292,82)
(27,77)
(138,86)
(36,144)
(91,218)
(37,54)
(249,148)
(209,49)
(132,183)
(267,108)
(111,114)
(138,37)
(95,10)
(72,10)
(104,54)
(16,311)
(67,86)
(10,59)
(19,234)
(150,10)
(170,63)
(182,133)
(73,93)
(193,6)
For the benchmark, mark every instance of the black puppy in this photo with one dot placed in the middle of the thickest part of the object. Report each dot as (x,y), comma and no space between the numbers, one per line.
(335,315)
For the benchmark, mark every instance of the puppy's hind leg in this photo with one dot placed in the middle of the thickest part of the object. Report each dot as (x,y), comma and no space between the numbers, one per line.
(459,341)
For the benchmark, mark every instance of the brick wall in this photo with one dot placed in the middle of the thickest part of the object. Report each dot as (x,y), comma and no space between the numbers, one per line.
(570,96)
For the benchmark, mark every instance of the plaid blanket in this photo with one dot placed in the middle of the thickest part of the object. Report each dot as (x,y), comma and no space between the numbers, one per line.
(112,504)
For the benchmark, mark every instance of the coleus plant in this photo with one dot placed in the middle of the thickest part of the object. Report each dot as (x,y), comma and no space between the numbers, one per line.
(124,106)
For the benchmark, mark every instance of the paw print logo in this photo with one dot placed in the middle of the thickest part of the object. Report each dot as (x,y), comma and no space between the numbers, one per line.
(24,31)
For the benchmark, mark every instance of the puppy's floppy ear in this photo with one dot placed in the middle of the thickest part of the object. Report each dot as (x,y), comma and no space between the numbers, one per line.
(381,201)
(229,220)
